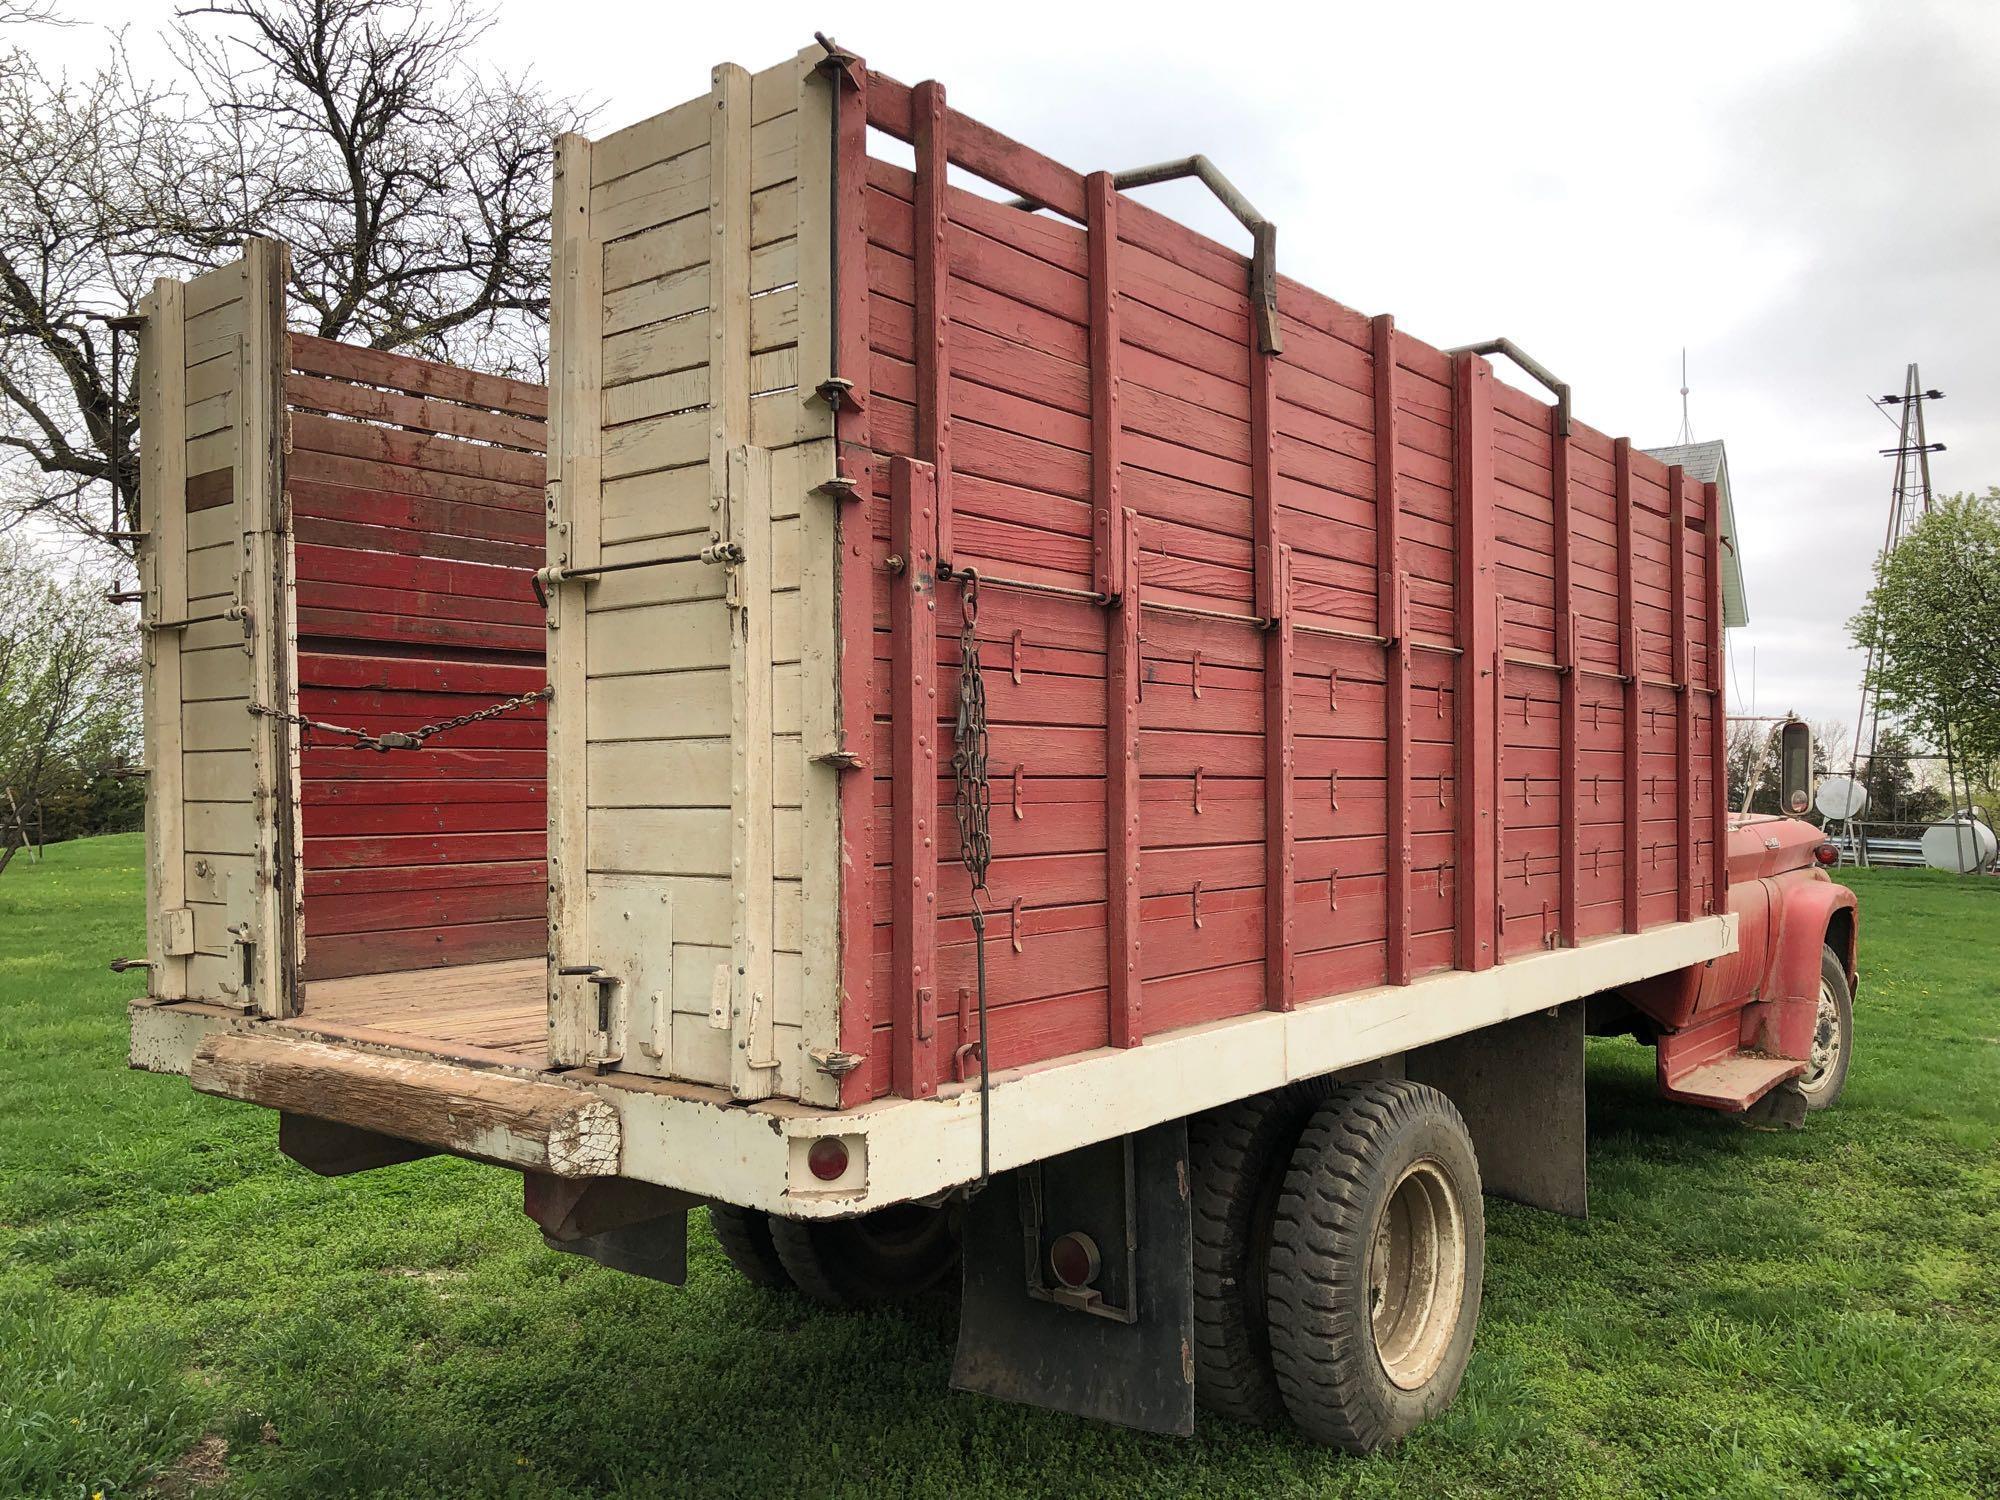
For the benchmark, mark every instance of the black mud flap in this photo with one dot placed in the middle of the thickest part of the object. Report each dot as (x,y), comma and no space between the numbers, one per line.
(1119,1348)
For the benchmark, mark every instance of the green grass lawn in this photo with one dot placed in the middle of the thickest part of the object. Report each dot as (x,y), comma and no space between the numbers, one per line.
(1744,1314)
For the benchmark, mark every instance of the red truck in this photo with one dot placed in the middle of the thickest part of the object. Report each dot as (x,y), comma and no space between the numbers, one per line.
(972,734)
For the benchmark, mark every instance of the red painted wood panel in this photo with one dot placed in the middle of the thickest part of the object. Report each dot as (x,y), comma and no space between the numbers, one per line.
(1483,706)
(417,522)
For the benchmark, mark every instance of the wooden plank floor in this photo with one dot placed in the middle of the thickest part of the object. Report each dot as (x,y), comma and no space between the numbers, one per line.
(495,1012)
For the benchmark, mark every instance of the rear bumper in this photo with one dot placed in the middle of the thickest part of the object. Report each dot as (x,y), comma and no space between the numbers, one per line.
(700,1141)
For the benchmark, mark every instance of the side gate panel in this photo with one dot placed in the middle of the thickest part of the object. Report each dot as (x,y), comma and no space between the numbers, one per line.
(693,828)
(222,814)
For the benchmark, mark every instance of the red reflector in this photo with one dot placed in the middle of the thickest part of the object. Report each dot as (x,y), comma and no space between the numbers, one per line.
(1827,854)
(827,1157)
(1074,1260)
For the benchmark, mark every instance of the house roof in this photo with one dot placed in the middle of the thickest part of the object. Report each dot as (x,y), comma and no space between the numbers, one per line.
(1707,462)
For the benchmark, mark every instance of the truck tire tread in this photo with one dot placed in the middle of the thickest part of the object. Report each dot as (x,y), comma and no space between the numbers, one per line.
(1348,1158)
(745,1237)
(1237,1157)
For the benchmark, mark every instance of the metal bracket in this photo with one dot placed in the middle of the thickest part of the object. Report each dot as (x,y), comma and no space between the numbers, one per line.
(834,1063)
(838,64)
(835,391)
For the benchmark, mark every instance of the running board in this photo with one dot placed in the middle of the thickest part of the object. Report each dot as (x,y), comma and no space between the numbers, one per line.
(1732,1083)
(491,1117)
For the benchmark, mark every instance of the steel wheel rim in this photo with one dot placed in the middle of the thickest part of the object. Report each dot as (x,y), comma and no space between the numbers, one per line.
(1827,1042)
(1416,1274)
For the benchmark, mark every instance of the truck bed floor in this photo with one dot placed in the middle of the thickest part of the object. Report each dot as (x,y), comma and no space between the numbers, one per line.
(494,1012)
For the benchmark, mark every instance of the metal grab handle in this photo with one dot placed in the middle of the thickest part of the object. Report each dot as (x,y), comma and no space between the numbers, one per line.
(1533,366)
(1263,233)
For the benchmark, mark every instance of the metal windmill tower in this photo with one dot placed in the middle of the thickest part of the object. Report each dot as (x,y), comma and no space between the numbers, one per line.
(1909,500)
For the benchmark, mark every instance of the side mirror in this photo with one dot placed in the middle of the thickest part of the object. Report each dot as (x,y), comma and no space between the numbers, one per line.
(1795,763)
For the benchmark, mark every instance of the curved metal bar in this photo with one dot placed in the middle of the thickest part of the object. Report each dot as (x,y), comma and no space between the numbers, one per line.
(1534,367)
(1263,233)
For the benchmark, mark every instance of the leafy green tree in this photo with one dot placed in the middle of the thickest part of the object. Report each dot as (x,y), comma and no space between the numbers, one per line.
(69,696)
(1933,623)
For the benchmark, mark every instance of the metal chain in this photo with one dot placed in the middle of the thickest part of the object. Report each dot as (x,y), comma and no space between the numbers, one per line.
(406,739)
(970,743)
(974,804)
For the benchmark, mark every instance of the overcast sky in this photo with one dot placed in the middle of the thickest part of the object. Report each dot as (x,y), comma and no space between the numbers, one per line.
(1806,197)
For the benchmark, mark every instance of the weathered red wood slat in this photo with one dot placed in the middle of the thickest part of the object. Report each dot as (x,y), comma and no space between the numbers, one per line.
(981,150)
(417,377)
(1629,668)
(913,685)
(415,450)
(421,413)
(1570,685)
(1476,601)
(1280,848)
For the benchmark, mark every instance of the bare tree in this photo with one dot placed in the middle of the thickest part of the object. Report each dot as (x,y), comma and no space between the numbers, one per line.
(31,13)
(69,690)
(411,183)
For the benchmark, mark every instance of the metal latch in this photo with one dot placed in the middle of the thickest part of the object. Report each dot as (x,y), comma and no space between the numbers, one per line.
(606,983)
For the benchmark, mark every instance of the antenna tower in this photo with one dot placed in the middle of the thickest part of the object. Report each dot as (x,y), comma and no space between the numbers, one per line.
(1687,427)
(1909,501)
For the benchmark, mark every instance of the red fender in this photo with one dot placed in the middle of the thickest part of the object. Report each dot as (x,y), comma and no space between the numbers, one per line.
(1805,910)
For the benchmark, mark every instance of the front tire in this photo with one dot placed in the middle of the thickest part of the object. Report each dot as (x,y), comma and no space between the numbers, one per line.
(1833,1035)
(1377,1253)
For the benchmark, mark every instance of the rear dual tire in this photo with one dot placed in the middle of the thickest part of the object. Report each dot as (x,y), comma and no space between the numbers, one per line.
(1372,1249)
(894,1252)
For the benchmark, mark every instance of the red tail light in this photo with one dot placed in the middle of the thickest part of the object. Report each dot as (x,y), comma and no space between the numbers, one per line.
(827,1158)
(1827,854)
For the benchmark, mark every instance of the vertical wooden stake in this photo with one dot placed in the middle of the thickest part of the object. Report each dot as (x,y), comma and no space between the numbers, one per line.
(933,271)
(728,283)
(1264,527)
(278,927)
(1115,574)
(1569,763)
(163,561)
(1718,727)
(913,732)
(1121,795)
(1280,891)
(820,738)
(753,1064)
(854,581)
(1682,657)
(576,321)
(1108,528)
(1628,665)
(1392,624)
(1478,728)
